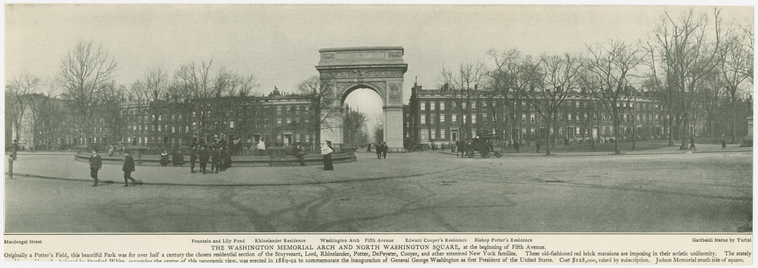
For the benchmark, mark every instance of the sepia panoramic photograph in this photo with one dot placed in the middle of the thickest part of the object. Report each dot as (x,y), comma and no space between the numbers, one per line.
(250,118)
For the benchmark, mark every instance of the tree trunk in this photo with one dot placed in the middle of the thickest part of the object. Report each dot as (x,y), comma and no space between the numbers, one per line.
(671,132)
(547,136)
(616,137)
(685,131)
(734,120)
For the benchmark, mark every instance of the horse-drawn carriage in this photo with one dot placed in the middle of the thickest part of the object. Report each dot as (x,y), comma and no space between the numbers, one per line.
(481,145)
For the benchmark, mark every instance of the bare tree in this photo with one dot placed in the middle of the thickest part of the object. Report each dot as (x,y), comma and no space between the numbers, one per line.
(691,51)
(353,122)
(151,97)
(550,87)
(40,114)
(464,84)
(112,98)
(198,90)
(379,133)
(738,61)
(320,97)
(510,79)
(607,74)
(84,71)
(18,92)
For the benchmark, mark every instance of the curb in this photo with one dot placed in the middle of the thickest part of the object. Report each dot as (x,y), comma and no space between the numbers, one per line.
(235,184)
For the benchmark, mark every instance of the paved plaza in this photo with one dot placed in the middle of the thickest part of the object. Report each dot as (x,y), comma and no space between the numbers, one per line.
(664,190)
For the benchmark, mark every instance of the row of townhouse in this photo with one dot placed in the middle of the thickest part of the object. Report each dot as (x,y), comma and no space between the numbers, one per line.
(277,119)
(435,116)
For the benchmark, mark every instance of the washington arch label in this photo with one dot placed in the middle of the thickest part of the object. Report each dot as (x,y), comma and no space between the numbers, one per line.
(380,69)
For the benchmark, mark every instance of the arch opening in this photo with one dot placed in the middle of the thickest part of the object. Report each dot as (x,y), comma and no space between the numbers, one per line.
(366,103)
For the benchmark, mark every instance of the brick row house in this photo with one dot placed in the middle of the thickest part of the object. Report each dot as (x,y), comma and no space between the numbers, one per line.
(436,116)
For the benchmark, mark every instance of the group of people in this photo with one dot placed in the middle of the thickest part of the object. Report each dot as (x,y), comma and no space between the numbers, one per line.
(218,156)
(177,158)
(381,150)
(96,162)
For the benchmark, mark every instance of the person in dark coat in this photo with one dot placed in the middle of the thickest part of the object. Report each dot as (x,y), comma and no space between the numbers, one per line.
(228,158)
(193,158)
(326,152)
(215,160)
(14,149)
(299,152)
(516,145)
(95,163)
(128,169)
(384,150)
(538,146)
(378,150)
(223,153)
(179,158)
(203,155)
(723,142)
(692,144)
(164,158)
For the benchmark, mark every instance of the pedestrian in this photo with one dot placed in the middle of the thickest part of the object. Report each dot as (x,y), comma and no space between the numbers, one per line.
(300,154)
(164,158)
(692,144)
(378,150)
(222,159)
(203,155)
(193,158)
(516,145)
(723,142)
(539,143)
(14,149)
(110,149)
(215,161)
(95,163)
(179,158)
(128,169)
(326,152)
(261,147)
(228,158)
(384,150)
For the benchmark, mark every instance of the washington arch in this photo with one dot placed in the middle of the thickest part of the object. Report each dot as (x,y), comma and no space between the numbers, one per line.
(380,69)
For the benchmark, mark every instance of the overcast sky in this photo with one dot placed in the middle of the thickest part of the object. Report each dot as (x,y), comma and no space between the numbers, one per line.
(279,43)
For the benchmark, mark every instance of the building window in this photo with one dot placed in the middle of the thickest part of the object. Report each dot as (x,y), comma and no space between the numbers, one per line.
(442,106)
(442,118)
(423,119)
(278,110)
(473,119)
(442,134)
(278,122)
(473,105)
(433,133)
(423,106)
(531,118)
(523,118)
(424,135)
(454,118)
(432,106)
(231,124)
